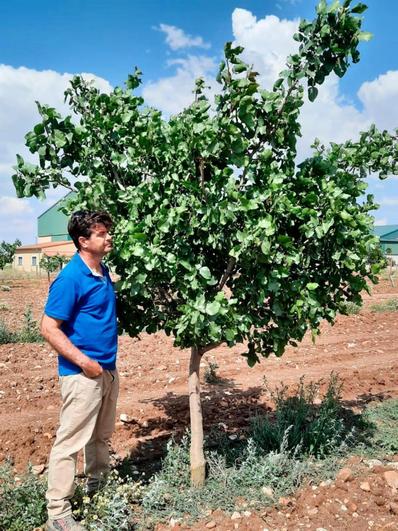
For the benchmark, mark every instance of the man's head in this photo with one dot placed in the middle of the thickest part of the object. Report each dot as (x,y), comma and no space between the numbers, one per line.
(90,231)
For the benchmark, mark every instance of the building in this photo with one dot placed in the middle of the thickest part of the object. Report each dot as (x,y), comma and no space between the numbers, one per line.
(388,235)
(52,239)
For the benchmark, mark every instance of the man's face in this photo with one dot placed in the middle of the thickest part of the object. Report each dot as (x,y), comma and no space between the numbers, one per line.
(100,241)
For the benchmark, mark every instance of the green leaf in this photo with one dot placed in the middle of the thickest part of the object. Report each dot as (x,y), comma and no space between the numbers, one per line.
(312,93)
(311,286)
(213,308)
(359,8)
(205,272)
(365,36)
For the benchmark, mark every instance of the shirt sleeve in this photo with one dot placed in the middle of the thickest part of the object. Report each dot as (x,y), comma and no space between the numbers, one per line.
(62,298)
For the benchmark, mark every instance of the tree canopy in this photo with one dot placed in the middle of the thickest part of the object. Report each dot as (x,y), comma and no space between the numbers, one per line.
(220,235)
(7,252)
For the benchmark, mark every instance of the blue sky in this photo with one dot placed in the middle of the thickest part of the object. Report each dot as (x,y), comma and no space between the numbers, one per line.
(43,42)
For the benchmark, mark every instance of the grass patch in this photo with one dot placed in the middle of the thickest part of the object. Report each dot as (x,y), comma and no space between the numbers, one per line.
(391,305)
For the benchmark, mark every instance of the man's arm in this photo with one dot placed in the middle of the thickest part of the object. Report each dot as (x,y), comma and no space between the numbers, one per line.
(51,331)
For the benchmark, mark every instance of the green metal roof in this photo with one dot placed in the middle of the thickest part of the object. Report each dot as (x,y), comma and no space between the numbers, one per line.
(384,230)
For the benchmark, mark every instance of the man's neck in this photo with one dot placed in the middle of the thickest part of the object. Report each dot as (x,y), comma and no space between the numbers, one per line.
(93,262)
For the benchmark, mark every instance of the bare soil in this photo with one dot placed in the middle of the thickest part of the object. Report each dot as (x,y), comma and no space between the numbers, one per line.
(361,348)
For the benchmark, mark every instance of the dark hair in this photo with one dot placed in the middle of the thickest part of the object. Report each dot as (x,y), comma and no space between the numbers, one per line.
(82,222)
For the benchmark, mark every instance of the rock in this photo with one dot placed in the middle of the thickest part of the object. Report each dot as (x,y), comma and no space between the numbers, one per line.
(373,462)
(38,469)
(312,512)
(174,521)
(345,474)
(125,418)
(365,486)
(211,524)
(235,516)
(284,501)
(268,492)
(393,507)
(391,477)
(47,435)
(247,514)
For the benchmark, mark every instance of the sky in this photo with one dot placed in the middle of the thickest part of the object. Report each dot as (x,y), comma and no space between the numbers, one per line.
(45,42)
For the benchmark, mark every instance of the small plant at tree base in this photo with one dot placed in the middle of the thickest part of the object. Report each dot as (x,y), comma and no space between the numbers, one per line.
(221,237)
(210,374)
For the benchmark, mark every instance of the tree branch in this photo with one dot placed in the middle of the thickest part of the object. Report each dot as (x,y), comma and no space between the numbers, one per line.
(227,273)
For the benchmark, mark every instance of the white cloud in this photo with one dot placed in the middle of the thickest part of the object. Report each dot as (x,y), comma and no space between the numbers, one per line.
(388,201)
(267,42)
(380,221)
(19,88)
(177,39)
(174,93)
(10,206)
(379,98)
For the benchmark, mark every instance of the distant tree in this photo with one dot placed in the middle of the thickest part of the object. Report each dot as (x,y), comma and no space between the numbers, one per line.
(220,236)
(7,252)
(52,263)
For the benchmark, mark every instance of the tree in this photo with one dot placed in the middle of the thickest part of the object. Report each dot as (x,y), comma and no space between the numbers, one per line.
(7,252)
(52,263)
(220,236)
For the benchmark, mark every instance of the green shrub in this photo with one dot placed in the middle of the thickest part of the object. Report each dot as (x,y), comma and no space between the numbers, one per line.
(22,502)
(390,305)
(316,429)
(349,308)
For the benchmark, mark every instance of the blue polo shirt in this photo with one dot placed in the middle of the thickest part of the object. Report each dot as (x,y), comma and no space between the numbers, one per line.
(86,304)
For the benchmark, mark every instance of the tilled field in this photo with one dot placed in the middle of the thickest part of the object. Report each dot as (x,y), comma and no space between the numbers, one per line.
(362,349)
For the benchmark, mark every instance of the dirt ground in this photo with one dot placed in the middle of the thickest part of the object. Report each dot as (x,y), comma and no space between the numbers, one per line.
(362,349)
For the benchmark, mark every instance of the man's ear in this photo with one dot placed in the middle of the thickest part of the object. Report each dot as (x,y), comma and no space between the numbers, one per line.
(82,242)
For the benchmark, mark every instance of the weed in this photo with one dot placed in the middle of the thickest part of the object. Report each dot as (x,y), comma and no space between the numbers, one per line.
(349,308)
(4,307)
(22,502)
(210,373)
(6,336)
(391,305)
(30,332)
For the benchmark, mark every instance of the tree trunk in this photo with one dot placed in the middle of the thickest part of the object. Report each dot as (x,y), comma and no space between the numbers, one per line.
(198,464)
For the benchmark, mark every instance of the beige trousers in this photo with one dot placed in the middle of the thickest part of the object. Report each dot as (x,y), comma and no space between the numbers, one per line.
(87,422)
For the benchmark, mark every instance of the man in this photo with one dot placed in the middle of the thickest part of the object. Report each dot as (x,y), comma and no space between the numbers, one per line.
(79,322)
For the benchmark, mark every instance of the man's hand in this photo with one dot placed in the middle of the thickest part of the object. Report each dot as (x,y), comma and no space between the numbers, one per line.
(91,368)
(51,331)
